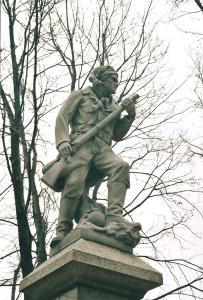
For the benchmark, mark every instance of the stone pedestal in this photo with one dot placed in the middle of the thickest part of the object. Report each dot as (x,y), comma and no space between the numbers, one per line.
(86,270)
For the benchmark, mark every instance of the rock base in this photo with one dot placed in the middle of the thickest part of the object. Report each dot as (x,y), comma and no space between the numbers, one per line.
(91,235)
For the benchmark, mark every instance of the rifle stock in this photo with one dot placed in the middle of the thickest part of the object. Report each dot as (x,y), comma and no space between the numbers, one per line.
(51,173)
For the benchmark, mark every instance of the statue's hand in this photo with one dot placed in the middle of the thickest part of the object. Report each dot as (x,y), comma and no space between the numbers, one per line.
(129,104)
(65,150)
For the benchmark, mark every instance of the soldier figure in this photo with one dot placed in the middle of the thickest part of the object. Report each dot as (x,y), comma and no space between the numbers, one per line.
(82,110)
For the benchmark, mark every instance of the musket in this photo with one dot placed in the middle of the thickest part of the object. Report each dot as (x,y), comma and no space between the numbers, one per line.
(53,170)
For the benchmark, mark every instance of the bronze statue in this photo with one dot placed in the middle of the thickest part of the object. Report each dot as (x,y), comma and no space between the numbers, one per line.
(85,154)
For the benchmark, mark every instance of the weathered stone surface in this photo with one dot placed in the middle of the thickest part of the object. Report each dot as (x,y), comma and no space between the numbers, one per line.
(85,157)
(86,267)
(91,235)
(85,293)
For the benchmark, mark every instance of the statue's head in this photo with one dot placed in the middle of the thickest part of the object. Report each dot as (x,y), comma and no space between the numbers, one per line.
(104,77)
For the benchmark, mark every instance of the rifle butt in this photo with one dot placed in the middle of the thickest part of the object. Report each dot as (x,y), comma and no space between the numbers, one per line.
(51,175)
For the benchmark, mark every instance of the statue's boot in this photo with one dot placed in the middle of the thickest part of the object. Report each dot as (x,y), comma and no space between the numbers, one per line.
(67,212)
(116,198)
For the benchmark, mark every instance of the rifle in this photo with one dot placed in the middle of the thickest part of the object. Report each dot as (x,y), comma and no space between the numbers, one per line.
(53,170)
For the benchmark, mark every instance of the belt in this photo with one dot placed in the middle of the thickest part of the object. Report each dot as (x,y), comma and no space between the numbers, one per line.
(85,128)
(82,129)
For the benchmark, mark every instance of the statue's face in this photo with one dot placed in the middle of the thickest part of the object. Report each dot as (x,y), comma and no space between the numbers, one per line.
(110,84)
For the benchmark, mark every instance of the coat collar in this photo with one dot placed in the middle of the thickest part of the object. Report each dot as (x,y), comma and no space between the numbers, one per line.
(88,91)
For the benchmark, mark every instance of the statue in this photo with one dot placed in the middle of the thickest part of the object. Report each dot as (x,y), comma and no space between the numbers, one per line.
(85,157)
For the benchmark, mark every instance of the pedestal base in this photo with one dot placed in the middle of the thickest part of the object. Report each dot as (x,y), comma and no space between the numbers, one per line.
(86,270)
(86,293)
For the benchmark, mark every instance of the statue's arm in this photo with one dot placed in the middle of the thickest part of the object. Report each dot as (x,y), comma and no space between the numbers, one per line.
(65,115)
(122,127)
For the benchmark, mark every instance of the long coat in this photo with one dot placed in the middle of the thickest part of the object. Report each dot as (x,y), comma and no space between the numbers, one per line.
(79,113)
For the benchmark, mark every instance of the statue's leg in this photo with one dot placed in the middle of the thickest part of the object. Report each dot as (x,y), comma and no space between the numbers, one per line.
(73,190)
(118,171)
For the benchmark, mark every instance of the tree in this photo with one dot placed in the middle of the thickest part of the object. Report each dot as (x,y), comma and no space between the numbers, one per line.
(197,2)
(185,14)
(57,37)
(21,110)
